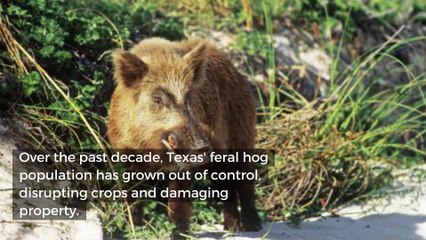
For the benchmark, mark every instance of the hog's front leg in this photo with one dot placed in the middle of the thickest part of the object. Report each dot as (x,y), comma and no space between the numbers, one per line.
(179,210)
(246,191)
(250,218)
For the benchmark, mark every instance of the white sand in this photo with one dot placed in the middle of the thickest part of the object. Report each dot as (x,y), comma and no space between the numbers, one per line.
(399,216)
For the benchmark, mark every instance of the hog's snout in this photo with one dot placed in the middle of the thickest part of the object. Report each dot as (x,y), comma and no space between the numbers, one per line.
(181,140)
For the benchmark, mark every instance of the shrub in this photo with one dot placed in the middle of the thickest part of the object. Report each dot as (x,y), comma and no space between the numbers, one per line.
(71,41)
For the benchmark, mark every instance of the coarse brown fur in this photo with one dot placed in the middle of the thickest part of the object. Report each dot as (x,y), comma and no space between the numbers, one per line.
(189,94)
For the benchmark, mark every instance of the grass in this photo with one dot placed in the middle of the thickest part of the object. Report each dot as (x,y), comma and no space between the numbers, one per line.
(330,150)
(329,147)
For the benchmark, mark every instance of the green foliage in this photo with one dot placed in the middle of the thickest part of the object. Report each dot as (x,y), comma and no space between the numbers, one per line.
(72,40)
(31,83)
(252,43)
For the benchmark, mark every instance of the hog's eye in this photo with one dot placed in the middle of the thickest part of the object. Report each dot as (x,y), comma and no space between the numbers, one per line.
(157,100)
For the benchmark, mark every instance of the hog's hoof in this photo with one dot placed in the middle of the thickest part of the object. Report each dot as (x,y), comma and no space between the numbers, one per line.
(252,225)
(179,235)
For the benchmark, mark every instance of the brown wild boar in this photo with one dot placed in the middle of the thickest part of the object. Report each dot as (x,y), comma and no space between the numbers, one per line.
(188,94)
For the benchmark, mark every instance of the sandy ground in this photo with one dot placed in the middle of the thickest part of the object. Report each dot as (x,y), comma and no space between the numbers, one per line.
(91,229)
(399,216)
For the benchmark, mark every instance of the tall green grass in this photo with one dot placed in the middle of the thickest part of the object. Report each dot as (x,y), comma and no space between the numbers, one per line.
(329,148)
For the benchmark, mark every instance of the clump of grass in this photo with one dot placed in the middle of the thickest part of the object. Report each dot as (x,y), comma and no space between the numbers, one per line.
(311,172)
(342,146)
(329,149)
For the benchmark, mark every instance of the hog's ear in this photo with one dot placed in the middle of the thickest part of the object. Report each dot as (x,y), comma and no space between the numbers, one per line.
(197,60)
(128,68)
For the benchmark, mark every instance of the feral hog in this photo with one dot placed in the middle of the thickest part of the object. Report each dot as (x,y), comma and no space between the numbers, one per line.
(186,95)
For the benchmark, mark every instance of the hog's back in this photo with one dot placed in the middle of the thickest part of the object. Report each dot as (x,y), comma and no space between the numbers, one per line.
(235,104)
